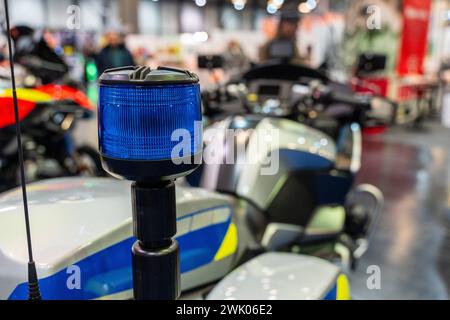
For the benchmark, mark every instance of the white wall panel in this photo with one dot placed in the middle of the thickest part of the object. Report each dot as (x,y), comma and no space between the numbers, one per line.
(149,17)
(57,13)
(27,12)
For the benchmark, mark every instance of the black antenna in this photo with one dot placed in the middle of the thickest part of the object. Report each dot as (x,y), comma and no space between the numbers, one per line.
(33,284)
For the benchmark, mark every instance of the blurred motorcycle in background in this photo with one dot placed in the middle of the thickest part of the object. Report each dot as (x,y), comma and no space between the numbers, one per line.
(50,105)
(310,204)
(47,114)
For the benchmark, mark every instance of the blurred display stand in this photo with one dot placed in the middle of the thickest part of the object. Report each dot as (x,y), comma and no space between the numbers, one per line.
(445,86)
(446,108)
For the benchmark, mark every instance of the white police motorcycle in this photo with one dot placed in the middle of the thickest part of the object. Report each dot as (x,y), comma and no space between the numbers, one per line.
(82,229)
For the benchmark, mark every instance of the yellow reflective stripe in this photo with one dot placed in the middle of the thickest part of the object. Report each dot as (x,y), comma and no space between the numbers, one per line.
(343,288)
(32,95)
(229,243)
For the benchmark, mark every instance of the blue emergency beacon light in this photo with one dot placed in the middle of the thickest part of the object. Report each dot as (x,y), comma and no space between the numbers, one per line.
(144,114)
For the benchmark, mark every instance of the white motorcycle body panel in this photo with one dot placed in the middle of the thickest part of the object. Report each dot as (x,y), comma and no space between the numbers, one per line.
(82,227)
(279,276)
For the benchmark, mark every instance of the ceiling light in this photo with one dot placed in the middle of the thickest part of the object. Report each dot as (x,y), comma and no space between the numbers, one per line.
(303,8)
(200,3)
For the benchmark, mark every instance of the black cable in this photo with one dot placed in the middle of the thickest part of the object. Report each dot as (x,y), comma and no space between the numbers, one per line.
(33,284)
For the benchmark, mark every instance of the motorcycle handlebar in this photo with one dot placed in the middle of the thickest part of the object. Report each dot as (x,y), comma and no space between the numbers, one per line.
(319,95)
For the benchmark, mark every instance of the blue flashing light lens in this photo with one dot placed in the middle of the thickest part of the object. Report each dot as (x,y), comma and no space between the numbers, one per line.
(138,122)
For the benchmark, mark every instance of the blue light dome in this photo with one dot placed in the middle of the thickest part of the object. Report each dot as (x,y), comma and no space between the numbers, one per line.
(144,114)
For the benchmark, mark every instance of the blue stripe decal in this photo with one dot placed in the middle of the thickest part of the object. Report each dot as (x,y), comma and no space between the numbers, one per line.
(295,160)
(109,270)
(332,295)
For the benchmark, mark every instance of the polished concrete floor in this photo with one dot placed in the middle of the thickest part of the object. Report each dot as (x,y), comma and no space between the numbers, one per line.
(411,242)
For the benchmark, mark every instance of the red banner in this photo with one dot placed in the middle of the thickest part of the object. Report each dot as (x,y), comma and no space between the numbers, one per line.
(416,15)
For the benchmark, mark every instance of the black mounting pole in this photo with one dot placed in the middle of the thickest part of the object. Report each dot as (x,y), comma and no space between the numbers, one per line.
(156,261)
(33,284)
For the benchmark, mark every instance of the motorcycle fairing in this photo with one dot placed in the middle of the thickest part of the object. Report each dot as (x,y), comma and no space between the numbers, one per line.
(299,147)
(85,224)
(27,100)
(307,181)
(63,92)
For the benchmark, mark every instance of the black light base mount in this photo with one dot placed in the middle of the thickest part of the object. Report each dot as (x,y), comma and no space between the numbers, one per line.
(155,254)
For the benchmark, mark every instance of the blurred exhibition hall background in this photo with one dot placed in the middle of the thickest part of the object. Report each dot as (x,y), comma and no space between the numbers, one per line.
(393,48)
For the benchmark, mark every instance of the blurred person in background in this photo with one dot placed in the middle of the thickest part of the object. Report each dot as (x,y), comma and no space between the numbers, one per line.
(235,57)
(284,45)
(114,54)
(89,51)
